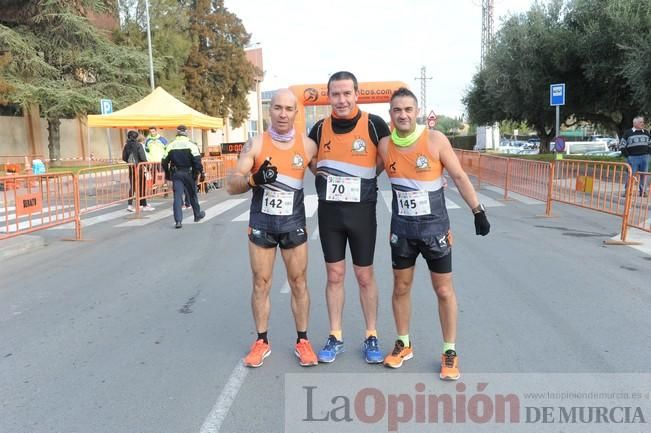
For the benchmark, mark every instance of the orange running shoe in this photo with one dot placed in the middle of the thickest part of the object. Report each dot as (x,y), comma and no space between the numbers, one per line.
(400,353)
(305,354)
(450,366)
(259,351)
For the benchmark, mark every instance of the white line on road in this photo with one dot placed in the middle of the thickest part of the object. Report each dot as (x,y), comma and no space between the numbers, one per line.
(221,208)
(387,196)
(311,203)
(315,234)
(217,415)
(96,219)
(285,288)
(243,217)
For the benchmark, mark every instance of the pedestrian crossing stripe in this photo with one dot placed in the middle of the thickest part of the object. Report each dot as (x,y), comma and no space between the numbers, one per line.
(311,206)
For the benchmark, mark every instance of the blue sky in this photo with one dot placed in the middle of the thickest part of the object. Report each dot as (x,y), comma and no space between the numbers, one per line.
(377,40)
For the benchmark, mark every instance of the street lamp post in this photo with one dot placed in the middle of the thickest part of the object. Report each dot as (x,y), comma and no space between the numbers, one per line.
(151,57)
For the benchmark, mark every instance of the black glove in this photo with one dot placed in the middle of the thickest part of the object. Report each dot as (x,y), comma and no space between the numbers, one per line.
(266,174)
(482,226)
(202,177)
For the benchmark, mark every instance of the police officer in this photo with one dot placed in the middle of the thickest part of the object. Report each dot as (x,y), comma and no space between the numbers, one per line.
(182,164)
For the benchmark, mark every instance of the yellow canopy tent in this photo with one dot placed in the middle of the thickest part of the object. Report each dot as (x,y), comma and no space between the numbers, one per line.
(159,109)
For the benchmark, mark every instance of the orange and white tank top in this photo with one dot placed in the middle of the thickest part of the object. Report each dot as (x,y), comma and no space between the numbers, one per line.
(346,164)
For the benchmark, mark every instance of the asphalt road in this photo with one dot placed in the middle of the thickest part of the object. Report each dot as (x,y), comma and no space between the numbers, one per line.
(142,327)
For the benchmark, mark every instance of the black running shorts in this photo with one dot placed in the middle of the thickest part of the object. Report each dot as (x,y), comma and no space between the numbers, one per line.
(286,240)
(352,223)
(436,250)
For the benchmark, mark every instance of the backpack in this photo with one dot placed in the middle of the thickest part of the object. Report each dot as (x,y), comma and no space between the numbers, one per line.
(133,157)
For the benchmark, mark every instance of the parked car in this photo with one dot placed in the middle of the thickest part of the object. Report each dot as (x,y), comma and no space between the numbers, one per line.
(612,142)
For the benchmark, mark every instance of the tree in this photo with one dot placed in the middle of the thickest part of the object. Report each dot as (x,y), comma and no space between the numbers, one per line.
(218,76)
(587,44)
(169,22)
(447,125)
(527,57)
(63,64)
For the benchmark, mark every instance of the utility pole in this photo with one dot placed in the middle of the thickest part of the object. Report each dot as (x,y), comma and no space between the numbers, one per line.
(423,91)
(487,7)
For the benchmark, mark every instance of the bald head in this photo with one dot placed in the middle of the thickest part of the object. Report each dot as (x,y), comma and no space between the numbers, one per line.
(283,111)
(284,95)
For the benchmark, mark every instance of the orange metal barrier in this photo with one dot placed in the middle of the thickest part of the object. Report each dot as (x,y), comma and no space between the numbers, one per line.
(37,202)
(529,178)
(151,181)
(101,187)
(492,169)
(215,174)
(638,215)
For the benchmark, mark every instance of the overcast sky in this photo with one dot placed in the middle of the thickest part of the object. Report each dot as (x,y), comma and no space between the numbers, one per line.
(377,40)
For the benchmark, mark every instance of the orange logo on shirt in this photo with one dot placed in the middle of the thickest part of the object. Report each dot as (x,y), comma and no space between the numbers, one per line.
(359,146)
(422,163)
(297,161)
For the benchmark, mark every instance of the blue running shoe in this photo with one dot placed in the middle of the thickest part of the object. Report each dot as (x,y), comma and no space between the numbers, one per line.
(371,351)
(331,349)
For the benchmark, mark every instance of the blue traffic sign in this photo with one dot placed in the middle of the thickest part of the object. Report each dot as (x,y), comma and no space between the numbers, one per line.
(106,106)
(557,94)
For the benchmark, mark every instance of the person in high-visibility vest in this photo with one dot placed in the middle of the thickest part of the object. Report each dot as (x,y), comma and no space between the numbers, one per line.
(155,145)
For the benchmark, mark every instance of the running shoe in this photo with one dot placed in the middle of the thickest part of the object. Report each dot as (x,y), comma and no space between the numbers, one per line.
(259,351)
(400,353)
(305,353)
(130,208)
(148,208)
(450,366)
(199,217)
(331,349)
(371,351)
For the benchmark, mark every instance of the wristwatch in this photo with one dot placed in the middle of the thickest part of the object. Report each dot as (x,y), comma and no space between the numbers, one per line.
(479,208)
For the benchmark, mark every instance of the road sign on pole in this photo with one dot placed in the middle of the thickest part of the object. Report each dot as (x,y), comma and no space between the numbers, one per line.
(431,120)
(557,94)
(105,106)
(556,99)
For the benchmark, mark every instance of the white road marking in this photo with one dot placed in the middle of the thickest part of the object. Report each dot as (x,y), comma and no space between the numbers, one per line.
(87,222)
(285,288)
(315,234)
(217,415)
(221,208)
(243,217)
(637,235)
(311,203)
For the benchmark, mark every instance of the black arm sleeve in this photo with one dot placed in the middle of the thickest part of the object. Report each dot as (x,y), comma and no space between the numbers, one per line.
(315,132)
(197,167)
(377,128)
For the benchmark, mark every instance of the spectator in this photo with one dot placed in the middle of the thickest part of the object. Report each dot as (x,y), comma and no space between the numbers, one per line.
(134,153)
(636,147)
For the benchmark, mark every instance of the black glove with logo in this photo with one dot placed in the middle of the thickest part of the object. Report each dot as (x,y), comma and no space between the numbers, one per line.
(266,174)
(482,226)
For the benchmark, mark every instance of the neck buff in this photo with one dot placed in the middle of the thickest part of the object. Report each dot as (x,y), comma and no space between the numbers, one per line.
(350,116)
(408,140)
(277,136)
